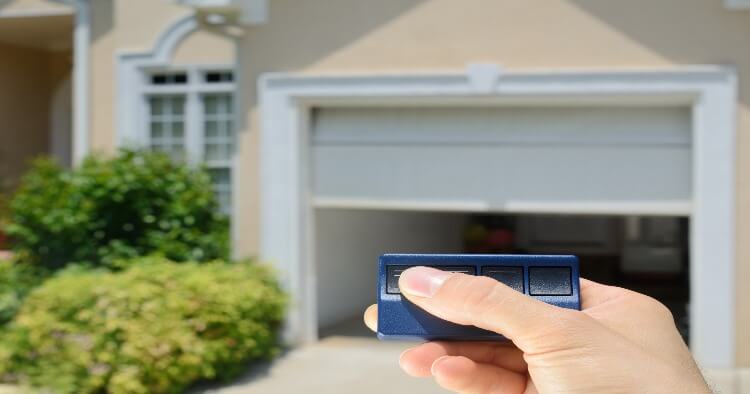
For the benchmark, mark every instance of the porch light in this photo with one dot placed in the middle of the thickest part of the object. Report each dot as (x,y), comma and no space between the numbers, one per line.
(246,12)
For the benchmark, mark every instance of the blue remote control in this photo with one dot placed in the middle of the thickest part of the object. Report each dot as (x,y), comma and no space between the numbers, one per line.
(553,279)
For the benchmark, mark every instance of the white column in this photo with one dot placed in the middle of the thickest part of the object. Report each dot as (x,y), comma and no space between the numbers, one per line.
(81,74)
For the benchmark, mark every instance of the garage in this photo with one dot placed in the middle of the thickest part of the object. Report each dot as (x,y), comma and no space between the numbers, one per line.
(396,165)
(628,170)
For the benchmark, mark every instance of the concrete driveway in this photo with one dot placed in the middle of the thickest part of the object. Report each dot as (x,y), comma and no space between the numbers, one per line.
(338,364)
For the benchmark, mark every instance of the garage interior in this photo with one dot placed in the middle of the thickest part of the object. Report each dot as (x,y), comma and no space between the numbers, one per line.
(648,254)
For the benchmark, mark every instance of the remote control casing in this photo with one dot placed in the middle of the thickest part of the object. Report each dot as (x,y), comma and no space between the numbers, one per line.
(400,319)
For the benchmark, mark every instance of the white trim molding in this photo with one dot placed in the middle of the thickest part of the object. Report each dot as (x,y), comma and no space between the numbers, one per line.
(130,66)
(81,82)
(288,204)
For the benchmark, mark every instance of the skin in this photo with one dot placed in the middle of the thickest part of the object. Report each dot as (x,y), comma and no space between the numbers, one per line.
(621,342)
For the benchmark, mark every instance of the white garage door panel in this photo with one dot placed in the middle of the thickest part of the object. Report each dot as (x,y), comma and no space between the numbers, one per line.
(542,155)
(586,126)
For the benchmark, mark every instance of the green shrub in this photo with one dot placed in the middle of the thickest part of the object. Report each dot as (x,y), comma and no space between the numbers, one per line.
(4,214)
(4,210)
(16,281)
(136,204)
(153,328)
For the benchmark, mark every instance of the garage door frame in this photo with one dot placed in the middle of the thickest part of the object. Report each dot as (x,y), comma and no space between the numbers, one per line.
(286,101)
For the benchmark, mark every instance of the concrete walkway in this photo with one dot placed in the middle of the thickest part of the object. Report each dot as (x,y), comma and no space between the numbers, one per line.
(336,364)
(364,365)
(9,389)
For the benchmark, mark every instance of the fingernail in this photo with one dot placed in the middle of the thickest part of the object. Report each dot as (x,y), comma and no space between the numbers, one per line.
(422,281)
(436,364)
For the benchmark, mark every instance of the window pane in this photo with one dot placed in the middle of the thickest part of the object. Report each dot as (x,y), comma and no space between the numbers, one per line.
(180,78)
(178,130)
(178,105)
(219,76)
(159,79)
(210,104)
(218,127)
(212,152)
(167,129)
(220,176)
(218,152)
(229,126)
(226,104)
(221,179)
(212,128)
(157,105)
(157,130)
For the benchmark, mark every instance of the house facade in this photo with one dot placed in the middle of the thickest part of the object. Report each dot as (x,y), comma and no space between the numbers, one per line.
(337,130)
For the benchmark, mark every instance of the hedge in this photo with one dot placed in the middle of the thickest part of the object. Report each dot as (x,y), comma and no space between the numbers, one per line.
(108,209)
(156,327)
(16,281)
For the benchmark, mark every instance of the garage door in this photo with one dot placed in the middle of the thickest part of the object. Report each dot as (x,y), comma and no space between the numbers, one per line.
(503,159)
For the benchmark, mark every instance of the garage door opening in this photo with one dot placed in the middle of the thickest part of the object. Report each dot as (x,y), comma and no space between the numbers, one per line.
(646,254)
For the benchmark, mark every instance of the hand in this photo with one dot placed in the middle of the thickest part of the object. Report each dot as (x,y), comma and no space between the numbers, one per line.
(621,341)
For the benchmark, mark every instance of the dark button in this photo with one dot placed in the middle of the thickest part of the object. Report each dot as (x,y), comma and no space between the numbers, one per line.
(510,276)
(463,269)
(394,272)
(550,281)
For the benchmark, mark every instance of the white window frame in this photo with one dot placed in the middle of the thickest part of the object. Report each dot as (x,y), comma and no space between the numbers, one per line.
(194,114)
(129,79)
(193,90)
(287,217)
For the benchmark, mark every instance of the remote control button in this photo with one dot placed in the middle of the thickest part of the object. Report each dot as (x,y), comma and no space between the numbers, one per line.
(508,275)
(394,273)
(550,281)
(459,269)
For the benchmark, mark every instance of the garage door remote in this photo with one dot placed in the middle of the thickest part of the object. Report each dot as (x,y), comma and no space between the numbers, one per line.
(550,278)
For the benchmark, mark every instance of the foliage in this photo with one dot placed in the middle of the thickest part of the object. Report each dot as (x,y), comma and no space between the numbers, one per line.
(16,281)
(4,214)
(153,328)
(136,204)
(3,207)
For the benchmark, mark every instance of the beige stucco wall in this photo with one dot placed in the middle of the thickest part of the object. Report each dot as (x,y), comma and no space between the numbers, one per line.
(120,26)
(207,48)
(26,88)
(343,36)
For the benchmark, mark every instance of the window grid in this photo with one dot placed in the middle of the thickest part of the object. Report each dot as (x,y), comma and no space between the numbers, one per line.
(194,122)
(218,143)
(221,178)
(167,125)
(218,127)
